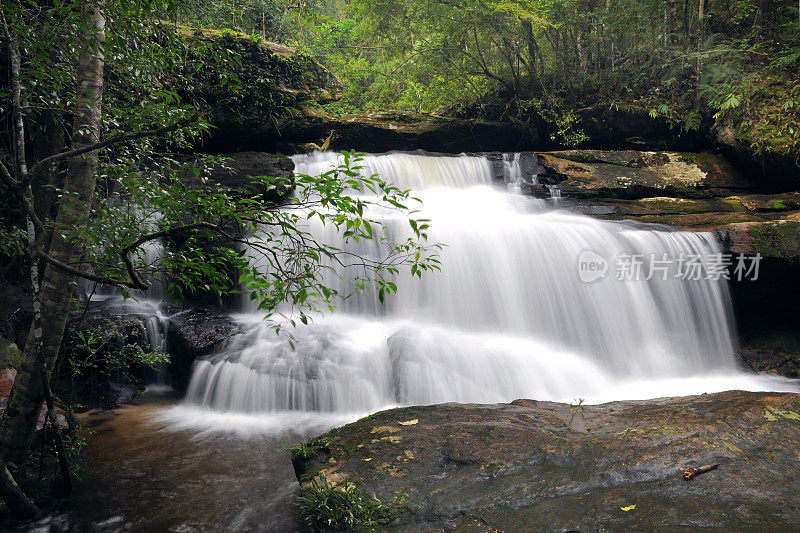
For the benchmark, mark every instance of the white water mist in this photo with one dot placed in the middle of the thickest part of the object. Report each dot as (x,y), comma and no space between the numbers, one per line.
(507,317)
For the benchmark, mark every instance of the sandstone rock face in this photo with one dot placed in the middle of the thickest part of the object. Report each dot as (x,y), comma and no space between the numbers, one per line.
(537,466)
(384,131)
(698,192)
(631,174)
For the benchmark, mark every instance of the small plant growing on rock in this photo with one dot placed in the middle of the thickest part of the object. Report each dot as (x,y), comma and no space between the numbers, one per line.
(303,450)
(340,506)
(577,408)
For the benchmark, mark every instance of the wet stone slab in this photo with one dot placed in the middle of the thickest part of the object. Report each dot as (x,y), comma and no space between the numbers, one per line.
(533,466)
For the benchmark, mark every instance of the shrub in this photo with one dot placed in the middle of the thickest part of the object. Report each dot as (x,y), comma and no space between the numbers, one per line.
(340,507)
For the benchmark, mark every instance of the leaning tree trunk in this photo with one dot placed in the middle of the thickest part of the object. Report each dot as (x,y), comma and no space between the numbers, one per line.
(530,40)
(24,404)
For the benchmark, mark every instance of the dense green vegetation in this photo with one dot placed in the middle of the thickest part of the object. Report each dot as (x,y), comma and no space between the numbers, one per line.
(729,63)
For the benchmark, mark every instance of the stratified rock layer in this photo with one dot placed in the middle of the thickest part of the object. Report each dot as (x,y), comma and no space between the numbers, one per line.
(537,466)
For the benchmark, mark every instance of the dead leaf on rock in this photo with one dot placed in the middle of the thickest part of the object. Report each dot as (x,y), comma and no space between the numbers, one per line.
(628,508)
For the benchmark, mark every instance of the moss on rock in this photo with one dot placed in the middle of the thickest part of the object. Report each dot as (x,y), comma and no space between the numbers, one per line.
(245,85)
(531,463)
(779,239)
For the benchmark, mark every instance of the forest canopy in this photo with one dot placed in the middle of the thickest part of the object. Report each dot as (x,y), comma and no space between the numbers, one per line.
(693,62)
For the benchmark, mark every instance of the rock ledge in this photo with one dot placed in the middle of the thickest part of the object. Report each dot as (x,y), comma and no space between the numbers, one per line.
(525,467)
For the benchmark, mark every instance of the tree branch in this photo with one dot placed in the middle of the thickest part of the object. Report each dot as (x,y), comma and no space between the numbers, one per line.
(103,280)
(124,254)
(113,140)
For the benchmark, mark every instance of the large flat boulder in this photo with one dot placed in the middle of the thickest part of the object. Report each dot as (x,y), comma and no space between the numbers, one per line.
(542,466)
(633,174)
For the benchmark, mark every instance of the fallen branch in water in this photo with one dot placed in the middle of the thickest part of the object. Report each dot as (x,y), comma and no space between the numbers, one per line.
(689,473)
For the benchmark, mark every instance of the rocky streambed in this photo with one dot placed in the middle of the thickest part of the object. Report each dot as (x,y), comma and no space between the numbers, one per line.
(542,466)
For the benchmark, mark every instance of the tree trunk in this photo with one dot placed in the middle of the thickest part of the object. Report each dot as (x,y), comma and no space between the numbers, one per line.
(700,39)
(673,22)
(24,404)
(583,50)
(530,40)
(12,495)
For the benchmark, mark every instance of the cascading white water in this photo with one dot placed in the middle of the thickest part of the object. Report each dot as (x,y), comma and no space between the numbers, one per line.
(512,170)
(148,305)
(507,317)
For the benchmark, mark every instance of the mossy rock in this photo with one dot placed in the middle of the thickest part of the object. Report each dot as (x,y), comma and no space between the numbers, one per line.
(779,239)
(633,174)
(10,354)
(246,95)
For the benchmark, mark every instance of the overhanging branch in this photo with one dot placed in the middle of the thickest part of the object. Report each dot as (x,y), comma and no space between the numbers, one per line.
(113,140)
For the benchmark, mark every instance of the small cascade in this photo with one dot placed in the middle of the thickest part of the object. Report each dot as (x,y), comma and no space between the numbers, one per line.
(147,305)
(156,325)
(508,316)
(512,171)
(555,194)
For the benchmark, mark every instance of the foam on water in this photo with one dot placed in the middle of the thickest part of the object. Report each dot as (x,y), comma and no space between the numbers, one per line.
(507,317)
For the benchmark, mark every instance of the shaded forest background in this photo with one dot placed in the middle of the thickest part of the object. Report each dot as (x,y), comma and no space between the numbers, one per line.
(698,63)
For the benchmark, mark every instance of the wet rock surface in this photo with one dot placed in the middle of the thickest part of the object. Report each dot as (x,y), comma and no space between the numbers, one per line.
(383,131)
(194,333)
(538,466)
(696,192)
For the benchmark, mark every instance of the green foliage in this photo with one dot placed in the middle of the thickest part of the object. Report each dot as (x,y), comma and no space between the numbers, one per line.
(90,352)
(303,450)
(550,58)
(267,18)
(340,506)
(576,408)
(13,242)
(280,263)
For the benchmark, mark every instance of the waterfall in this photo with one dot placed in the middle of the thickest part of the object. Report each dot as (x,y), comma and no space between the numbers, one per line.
(512,171)
(509,315)
(147,305)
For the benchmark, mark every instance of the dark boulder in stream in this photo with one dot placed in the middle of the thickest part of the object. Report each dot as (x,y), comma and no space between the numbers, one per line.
(542,466)
(192,334)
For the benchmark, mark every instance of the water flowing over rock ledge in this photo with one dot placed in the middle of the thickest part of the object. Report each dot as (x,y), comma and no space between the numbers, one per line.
(524,467)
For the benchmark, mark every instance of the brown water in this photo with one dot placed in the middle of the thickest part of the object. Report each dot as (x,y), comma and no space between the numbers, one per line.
(145,476)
